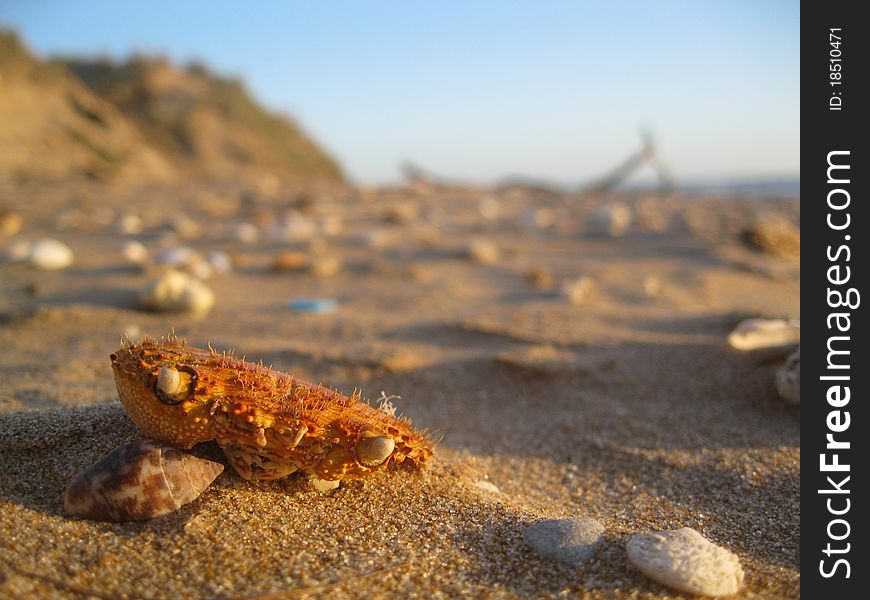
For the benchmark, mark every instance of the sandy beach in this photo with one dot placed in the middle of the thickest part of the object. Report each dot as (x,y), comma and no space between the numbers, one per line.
(625,405)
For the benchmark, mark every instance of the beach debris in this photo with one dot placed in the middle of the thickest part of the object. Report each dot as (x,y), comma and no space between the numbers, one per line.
(686,561)
(775,235)
(138,481)
(482,251)
(178,256)
(487,486)
(268,424)
(134,252)
(758,334)
(401,212)
(579,289)
(314,305)
(570,541)
(50,255)
(537,218)
(788,378)
(612,219)
(10,222)
(174,291)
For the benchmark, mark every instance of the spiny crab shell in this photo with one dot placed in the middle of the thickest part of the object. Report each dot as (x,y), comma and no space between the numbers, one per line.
(269,424)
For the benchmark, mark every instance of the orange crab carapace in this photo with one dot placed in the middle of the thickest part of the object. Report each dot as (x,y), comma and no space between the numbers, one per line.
(268,424)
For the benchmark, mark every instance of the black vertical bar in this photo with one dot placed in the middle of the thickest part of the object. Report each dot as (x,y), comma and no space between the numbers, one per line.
(834,262)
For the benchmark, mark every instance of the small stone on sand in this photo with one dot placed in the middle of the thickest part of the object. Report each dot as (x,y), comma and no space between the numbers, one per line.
(174,291)
(686,561)
(757,334)
(50,255)
(487,486)
(570,541)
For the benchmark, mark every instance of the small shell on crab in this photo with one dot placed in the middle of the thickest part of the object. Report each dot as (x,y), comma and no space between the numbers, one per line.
(324,486)
(373,451)
(138,481)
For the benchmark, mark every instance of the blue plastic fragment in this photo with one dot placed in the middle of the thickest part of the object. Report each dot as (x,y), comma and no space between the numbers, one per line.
(314,305)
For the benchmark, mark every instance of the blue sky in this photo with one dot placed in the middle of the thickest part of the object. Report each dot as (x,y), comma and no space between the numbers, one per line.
(479,90)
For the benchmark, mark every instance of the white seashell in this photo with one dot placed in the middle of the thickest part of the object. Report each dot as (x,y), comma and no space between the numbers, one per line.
(50,255)
(134,252)
(756,334)
(686,561)
(788,379)
(168,380)
(138,481)
(612,219)
(174,291)
(373,451)
(323,485)
(571,541)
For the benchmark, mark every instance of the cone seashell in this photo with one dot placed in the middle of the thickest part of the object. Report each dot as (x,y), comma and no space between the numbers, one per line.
(138,481)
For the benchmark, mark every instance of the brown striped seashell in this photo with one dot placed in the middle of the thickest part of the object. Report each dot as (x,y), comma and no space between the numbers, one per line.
(138,481)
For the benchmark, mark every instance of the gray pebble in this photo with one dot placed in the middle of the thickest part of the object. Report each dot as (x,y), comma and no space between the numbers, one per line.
(570,541)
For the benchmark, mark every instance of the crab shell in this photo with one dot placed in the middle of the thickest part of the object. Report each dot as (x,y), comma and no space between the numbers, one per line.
(268,424)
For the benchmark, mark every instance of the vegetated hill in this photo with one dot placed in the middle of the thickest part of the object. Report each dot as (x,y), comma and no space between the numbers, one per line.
(208,125)
(54,127)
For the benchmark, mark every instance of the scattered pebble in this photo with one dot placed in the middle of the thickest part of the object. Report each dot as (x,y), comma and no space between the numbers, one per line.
(134,252)
(185,226)
(788,378)
(18,251)
(579,290)
(612,219)
(129,224)
(50,255)
(570,541)
(538,359)
(756,334)
(403,212)
(483,251)
(684,560)
(175,291)
(487,486)
(314,305)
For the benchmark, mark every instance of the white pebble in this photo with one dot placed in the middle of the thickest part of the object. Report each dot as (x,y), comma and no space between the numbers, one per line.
(686,561)
(50,255)
(134,252)
(788,379)
(323,486)
(247,233)
(174,291)
(570,541)
(130,224)
(755,334)
(487,486)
